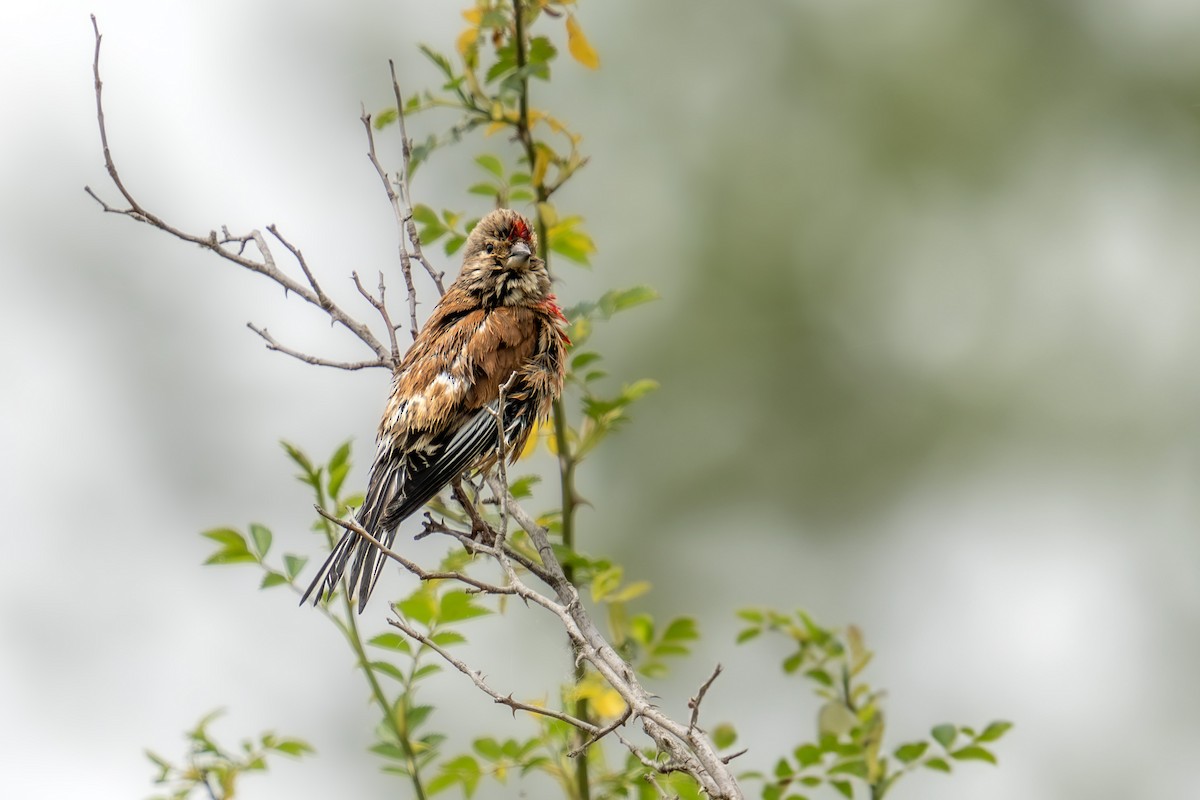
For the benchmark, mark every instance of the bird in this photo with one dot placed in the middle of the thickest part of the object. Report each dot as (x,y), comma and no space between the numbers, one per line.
(497,324)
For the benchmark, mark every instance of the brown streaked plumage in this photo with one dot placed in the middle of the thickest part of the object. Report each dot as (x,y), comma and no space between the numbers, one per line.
(498,319)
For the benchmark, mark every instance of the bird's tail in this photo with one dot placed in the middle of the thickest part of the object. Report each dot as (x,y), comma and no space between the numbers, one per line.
(365,567)
(367,560)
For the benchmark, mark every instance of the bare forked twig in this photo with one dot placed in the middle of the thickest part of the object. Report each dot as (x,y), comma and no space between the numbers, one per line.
(223,245)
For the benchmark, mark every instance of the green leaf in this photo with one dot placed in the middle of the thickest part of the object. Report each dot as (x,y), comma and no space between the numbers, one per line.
(458,605)
(856,767)
(638,389)
(807,754)
(454,243)
(937,764)
(385,118)
(415,715)
(262,538)
(340,456)
(844,788)
(944,734)
(994,731)
(491,164)
(641,628)
(426,671)
(391,641)
(489,748)
(484,189)
(227,537)
(581,360)
(681,629)
(231,556)
(389,669)
(748,634)
(630,592)
(621,299)
(541,50)
(751,615)
(447,638)
(424,215)
(292,564)
(293,747)
(793,662)
(522,487)
(819,676)
(605,582)
(973,753)
(337,476)
(273,579)
(418,607)
(724,735)
(297,455)
(467,772)
(908,753)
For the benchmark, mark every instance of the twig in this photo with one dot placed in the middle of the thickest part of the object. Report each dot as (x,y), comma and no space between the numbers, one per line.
(380,305)
(410,565)
(314,360)
(477,678)
(394,200)
(694,702)
(405,182)
(601,733)
(266,266)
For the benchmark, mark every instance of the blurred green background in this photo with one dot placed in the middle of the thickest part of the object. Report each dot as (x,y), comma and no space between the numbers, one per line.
(926,348)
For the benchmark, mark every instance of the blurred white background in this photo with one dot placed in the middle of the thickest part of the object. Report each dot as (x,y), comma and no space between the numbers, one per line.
(927,346)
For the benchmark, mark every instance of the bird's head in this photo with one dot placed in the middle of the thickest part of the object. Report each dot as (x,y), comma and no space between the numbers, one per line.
(500,263)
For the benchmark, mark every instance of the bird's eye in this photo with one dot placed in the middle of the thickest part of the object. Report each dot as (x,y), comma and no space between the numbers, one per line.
(491,248)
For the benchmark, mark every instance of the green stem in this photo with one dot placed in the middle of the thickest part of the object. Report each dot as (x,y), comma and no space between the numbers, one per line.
(349,628)
(566,459)
(389,714)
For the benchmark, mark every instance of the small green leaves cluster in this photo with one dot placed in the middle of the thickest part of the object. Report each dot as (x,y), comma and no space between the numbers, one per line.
(436,608)
(212,771)
(848,751)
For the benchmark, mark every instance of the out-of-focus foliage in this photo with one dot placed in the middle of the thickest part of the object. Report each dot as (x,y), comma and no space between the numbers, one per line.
(504,47)
(211,771)
(848,753)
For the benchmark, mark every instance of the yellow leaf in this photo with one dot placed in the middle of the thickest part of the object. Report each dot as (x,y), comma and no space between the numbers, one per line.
(532,442)
(541,162)
(466,40)
(604,700)
(581,49)
(494,127)
(473,16)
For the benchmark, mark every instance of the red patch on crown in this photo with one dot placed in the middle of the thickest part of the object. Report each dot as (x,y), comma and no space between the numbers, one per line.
(520,230)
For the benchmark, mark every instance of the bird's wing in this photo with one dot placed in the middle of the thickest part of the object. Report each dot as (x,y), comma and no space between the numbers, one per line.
(426,471)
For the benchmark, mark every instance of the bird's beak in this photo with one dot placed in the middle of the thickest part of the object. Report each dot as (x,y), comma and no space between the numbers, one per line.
(518,256)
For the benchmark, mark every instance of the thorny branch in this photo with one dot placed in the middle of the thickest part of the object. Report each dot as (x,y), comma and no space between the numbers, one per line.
(680,747)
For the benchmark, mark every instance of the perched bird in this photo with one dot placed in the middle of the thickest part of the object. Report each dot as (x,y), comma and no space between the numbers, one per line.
(497,321)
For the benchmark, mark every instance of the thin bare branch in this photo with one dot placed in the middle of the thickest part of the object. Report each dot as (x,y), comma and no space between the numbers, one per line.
(350,366)
(405,183)
(400,213)
(410,565)
(380,305)
(477,678)
(694,702)
(265,266)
